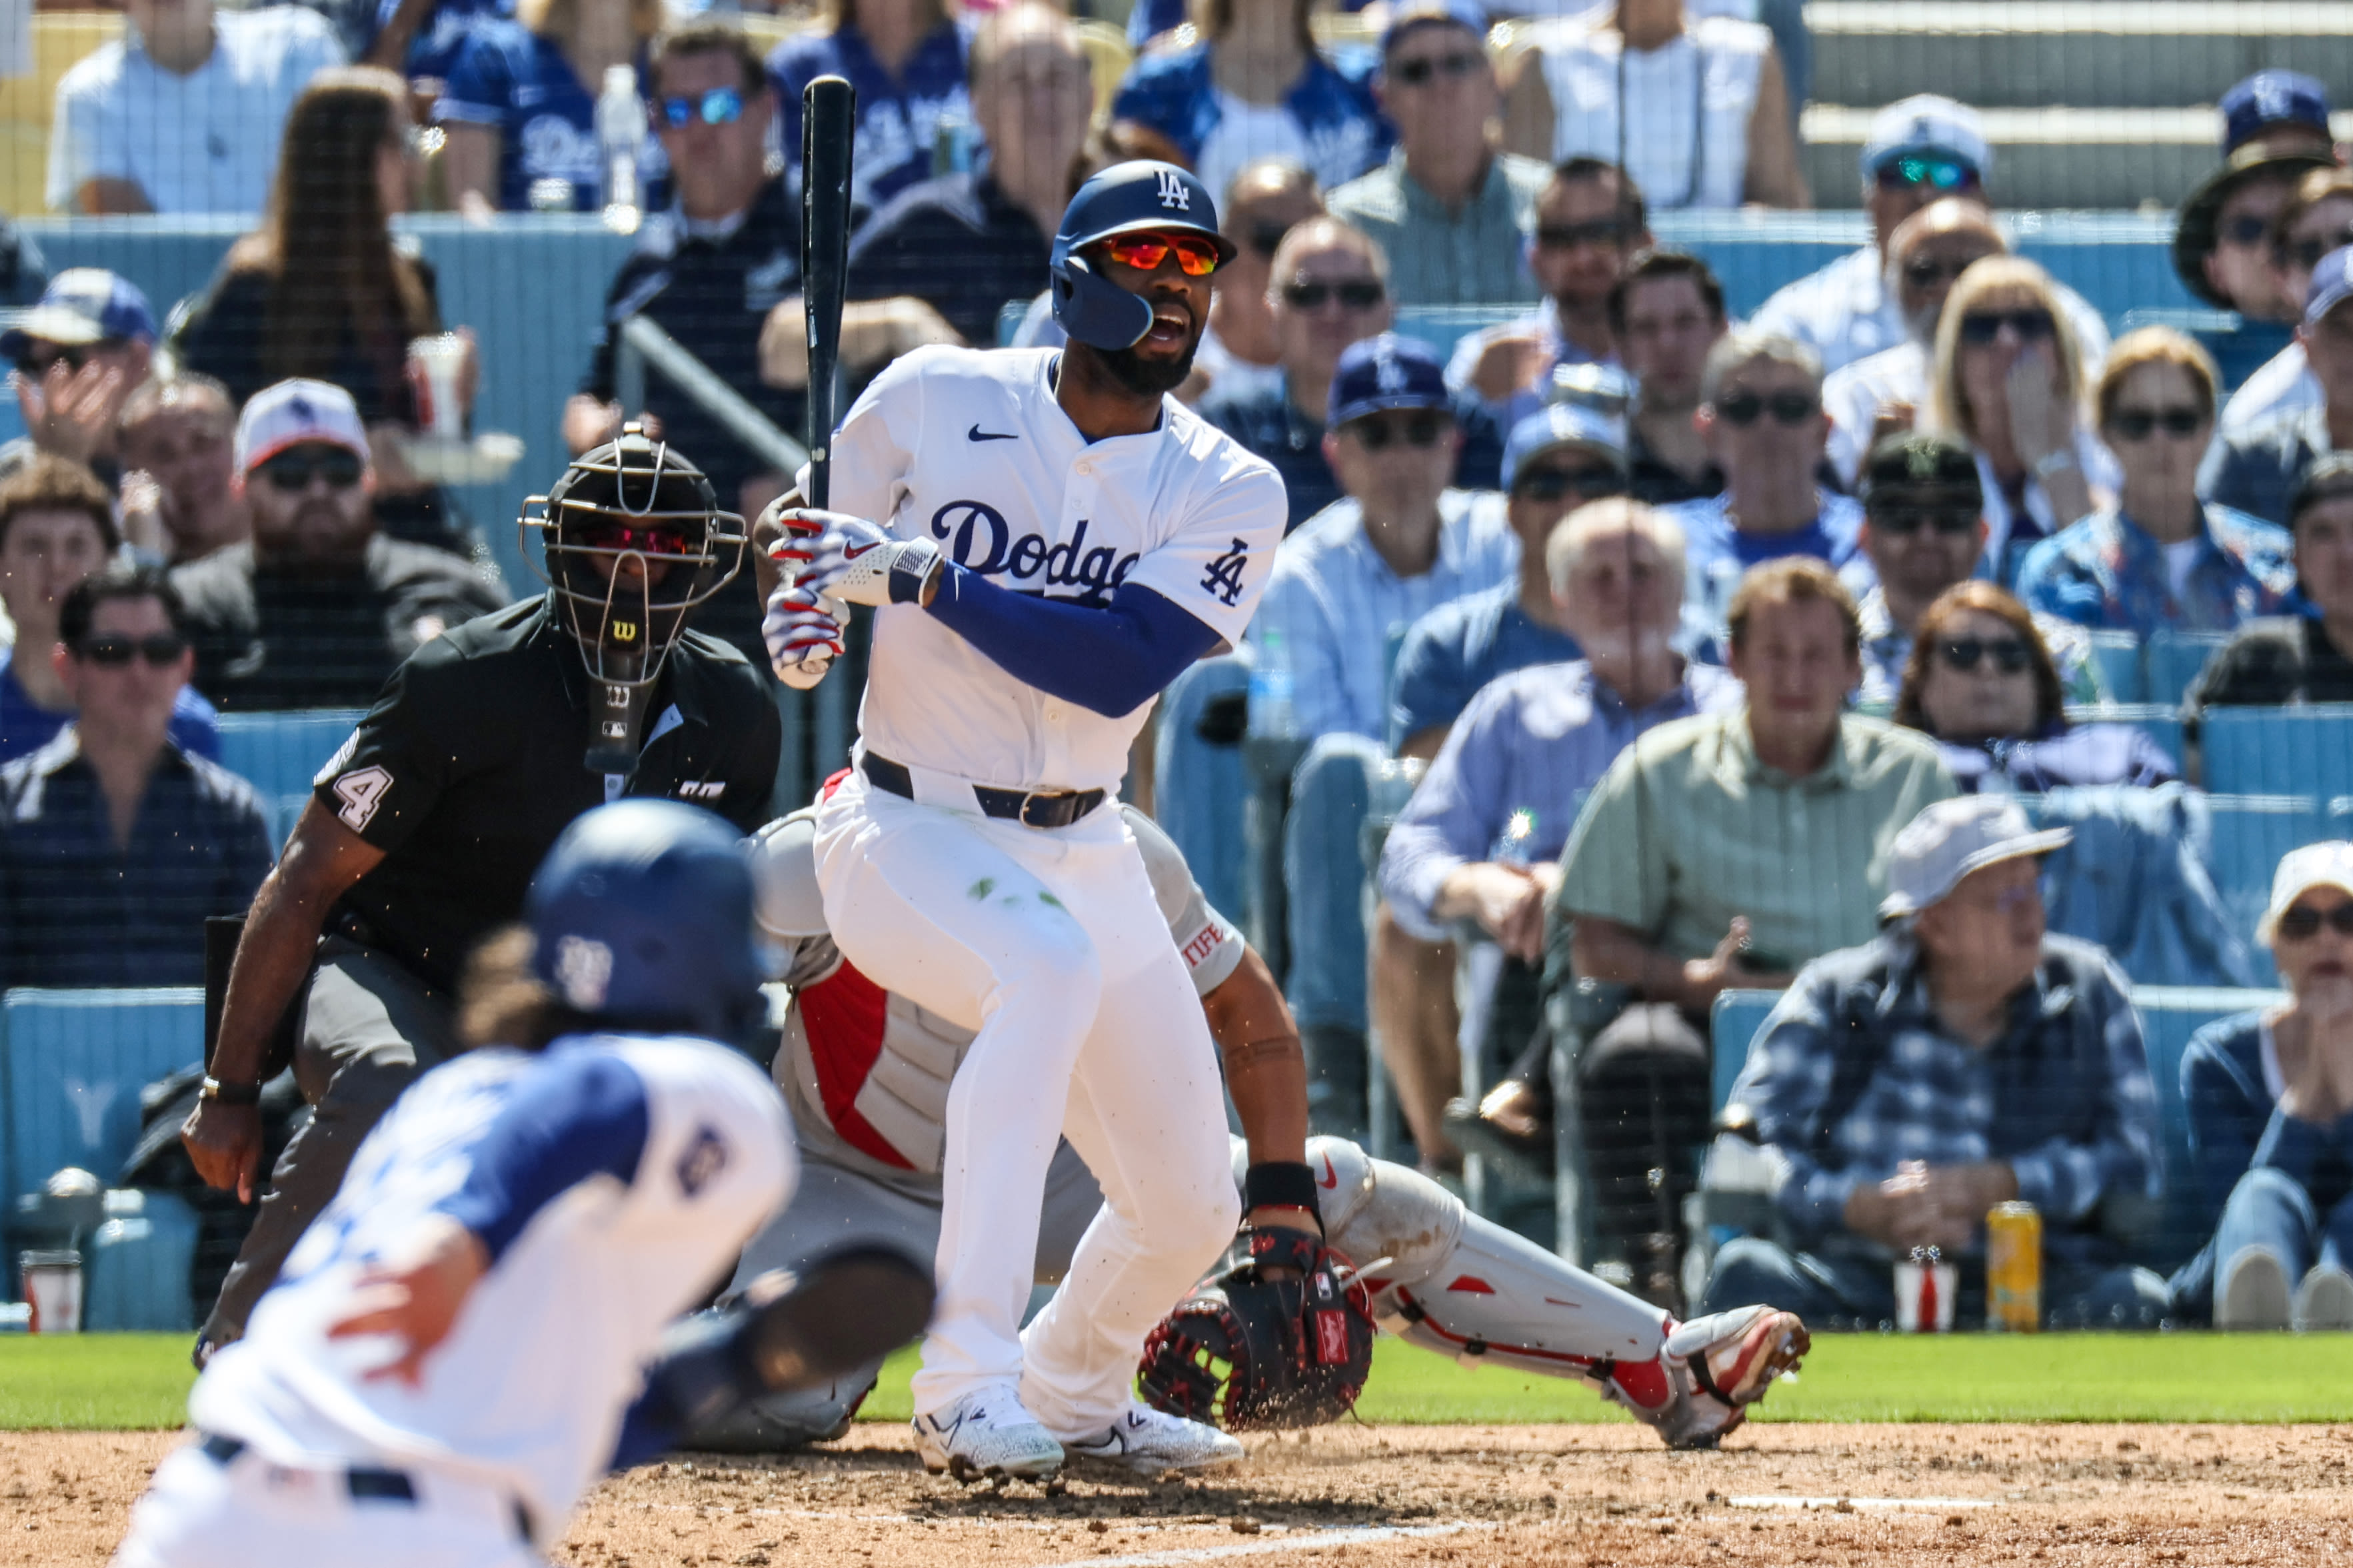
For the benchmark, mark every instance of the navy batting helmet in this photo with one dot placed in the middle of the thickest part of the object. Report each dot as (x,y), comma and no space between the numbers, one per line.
(642,915)
(1125,197)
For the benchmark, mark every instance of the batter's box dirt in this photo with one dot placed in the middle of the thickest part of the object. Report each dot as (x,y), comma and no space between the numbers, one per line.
(1552,1496)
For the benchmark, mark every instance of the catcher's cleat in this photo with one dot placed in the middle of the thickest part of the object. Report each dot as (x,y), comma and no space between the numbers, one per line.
(1151,1444)
(1708,1372)
(986,1435)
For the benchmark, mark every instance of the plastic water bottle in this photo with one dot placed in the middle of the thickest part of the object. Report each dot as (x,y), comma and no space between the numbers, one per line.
(620,141)
(1270,689)
(1514,846)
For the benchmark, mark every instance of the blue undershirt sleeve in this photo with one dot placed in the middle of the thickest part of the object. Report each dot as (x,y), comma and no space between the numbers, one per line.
(1109,661)
(572,1117)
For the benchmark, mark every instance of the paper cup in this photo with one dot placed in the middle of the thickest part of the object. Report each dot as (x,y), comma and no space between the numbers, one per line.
(52,1290)
(434,365)
(1924,1297)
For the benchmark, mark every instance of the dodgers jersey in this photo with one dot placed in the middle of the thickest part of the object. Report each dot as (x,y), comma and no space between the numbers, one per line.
(528,1391)
(967,447)
(865,1071)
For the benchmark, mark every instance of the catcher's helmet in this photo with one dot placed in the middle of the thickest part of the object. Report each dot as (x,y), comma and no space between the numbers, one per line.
(633,539)
(1125,197)
(642,915)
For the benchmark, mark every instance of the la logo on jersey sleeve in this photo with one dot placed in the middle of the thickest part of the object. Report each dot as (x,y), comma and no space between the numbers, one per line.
(1223,578)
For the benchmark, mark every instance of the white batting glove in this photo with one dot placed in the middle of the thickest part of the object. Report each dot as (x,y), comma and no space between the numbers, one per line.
(803,634)
(857,561)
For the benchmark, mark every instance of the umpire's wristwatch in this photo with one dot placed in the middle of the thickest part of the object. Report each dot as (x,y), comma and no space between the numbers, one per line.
(229,1093)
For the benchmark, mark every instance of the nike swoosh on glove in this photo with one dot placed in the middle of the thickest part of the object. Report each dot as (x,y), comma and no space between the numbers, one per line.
(803,635)
(858,562)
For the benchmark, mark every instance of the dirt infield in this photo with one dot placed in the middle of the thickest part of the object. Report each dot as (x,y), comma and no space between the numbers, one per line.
(1557,1497)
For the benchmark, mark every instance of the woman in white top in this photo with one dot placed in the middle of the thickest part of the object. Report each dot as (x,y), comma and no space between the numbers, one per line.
(1711,126)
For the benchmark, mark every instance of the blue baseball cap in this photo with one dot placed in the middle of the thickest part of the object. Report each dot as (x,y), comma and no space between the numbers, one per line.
(1409,15)
(1927,123)
(82,305)
(2332,285)
(1387,372)
(2273,97)
(1560,426)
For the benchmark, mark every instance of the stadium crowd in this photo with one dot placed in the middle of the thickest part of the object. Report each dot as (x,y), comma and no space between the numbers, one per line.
(1618,650)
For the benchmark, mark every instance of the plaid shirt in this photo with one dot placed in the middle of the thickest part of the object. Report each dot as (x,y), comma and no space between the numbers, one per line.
(2107,572)
(1853,1073)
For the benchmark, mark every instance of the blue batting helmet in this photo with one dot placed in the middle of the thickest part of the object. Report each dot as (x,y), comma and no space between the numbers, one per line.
(642,914)
(1142,194)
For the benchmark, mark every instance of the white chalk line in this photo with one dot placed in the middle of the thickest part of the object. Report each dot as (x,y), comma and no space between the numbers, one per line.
(1300,1541)
(1859,1502)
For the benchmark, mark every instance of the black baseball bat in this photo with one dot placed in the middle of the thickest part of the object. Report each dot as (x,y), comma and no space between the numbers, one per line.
(828,130)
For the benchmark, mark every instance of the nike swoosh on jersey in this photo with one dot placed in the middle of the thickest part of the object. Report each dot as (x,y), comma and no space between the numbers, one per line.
(977,434)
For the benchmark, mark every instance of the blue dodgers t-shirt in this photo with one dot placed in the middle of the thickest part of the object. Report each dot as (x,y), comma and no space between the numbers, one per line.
(24,728)
(897,119)
(508,79)
(1457,648)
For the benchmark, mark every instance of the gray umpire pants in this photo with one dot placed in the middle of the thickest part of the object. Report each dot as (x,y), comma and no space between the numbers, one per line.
(369,1026)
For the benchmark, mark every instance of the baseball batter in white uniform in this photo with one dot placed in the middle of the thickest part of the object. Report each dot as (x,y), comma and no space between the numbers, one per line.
(1049,538)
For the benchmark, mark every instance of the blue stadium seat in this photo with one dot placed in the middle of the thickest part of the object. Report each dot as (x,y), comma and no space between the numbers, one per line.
(2174,661)
(135,1269)
(2168,1016)
(2159,723)
(1733,1025)
(2279,750)
(281,754)
(2251,833)
(73,1064)
(2117,656)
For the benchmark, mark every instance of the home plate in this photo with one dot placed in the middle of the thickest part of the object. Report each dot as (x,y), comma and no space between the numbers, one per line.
(1880,1502)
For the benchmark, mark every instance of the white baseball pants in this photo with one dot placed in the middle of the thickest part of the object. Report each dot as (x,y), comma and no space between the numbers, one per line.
(1049,943)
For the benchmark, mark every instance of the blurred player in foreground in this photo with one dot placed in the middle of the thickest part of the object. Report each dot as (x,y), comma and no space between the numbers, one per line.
(866,1073)
(446,1363)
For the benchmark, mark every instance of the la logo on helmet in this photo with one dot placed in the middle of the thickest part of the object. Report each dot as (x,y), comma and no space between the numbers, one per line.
(1173,193)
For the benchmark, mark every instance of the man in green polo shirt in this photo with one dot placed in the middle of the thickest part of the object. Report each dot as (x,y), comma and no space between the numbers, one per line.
(1719,851)
(1453,211)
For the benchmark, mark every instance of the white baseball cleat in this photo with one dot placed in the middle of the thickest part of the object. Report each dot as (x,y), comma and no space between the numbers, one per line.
(1708,1372)
(1151,1443)
(987,1434)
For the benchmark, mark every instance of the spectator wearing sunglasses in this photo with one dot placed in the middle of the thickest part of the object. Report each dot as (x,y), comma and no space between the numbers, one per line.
(907,60)
(78,354)
(57,527)
(116,841)
(1982,683)
(2316,220)
(1924,531)
(2160,559)
(2009,378)
(2304,656)
(1400,542)
(1239,354)
(520,105)
(1666,313)
(2270,1101)
(1886,391)
(316,609)
(1760,417)
(2258,469)
(1482,836)
(1917,150)
(1254,86)
(1452,212)
(2223,240)
(1590,221)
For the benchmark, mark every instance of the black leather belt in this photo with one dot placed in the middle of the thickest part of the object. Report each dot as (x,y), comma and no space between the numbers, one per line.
(1030,808)
(363,1482)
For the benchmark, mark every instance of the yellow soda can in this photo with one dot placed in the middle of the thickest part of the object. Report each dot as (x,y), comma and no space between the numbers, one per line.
(2014,1269)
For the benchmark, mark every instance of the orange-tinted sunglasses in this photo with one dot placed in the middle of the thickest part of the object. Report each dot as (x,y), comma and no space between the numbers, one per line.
(1145,252)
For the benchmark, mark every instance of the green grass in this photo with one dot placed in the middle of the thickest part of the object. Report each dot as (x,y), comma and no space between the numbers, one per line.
(117,1380)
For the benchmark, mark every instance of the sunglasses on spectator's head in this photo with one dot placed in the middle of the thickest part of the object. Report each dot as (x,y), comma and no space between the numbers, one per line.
(114,651)
(720,106)
(1551,483)
(1592,231)
(293,469)
(1454,65)
(1981,327)
(1907,520)
(2246,229)
(1145,252)
(2135,423)
(1375,433)
(2302,923)
(1360,295)
(36,360)
(1787,407)
(2009,653)
(1920,169)
(1928,271)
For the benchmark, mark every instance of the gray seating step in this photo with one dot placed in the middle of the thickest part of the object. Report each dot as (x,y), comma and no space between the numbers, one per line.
(2145,53)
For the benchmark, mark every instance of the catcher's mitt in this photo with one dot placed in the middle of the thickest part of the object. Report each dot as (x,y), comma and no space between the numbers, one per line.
(1245,1352)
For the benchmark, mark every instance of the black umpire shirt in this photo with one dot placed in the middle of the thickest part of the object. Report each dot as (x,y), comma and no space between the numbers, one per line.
(469,766)
(710,286)
(960,245)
